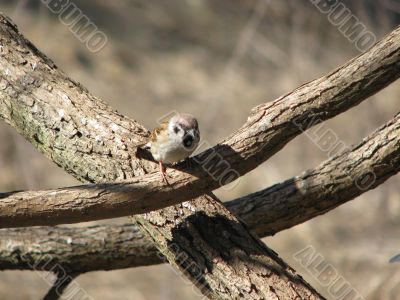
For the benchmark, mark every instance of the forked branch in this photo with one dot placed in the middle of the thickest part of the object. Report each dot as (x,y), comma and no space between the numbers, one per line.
(94,143)
(266,212)
(50,111)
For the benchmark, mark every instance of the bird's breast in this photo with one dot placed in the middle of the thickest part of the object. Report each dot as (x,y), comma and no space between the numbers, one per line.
(169,151)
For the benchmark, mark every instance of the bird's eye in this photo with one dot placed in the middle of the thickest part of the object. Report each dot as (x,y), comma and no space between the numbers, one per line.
(188,141)
(176,129)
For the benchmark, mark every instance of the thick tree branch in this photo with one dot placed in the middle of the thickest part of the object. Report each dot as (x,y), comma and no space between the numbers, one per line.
(84,136)
(325,182)
(258,272)
(222,258)
(76,250)
(319,190)
(266,212)
(269,127)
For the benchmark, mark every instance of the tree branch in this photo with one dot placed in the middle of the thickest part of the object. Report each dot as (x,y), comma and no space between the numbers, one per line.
(65,137)
(88,139)
(76,250)
(56,128)
(266,212)
(319,190)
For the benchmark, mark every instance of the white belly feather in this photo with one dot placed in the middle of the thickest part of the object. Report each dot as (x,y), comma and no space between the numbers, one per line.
(169,150)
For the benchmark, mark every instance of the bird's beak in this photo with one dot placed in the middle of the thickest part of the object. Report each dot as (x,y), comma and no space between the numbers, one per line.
(191,139)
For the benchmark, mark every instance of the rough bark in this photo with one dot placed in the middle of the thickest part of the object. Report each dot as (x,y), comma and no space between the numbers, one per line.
(78,132)
(87,202)
(266,212)
(224,260)
(76,250)
(284,205)
(84,136)
(319,190)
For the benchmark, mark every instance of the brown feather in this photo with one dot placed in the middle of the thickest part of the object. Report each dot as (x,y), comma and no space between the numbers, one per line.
(158,130)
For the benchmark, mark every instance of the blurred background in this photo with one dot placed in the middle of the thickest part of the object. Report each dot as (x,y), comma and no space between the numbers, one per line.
(217,60)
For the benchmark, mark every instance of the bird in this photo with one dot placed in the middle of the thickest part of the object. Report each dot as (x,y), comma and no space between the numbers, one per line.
(174,140)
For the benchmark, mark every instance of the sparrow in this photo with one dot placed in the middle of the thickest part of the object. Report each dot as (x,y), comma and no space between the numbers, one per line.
(174,140)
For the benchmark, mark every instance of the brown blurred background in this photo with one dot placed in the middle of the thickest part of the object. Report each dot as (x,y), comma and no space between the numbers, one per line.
(218,59)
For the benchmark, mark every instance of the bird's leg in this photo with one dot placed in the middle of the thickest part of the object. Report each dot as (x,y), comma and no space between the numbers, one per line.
(163,172)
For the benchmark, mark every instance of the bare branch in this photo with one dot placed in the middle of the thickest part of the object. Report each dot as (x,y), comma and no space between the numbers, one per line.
(257,208)
(266,212)
(319,190)
(257,271)
(269,127)
(84,136)
(76,250)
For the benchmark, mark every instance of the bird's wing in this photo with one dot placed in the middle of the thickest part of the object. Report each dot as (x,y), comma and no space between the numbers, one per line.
(157,131)
(154,135)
